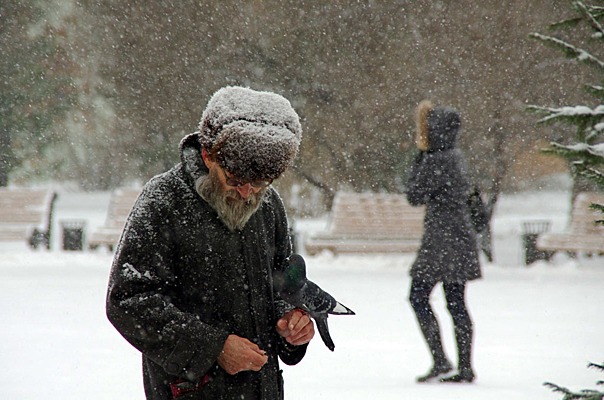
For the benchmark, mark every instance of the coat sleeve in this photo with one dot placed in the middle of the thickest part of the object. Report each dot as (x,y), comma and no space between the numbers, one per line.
(139,296)
(415,189)
(431,176)
(289,354)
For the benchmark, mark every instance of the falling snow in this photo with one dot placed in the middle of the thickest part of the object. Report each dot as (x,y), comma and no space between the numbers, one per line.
(533,324)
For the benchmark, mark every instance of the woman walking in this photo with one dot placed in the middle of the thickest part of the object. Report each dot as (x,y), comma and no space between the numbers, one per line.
(448,253)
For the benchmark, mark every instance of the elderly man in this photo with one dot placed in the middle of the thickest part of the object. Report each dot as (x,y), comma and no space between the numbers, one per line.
(191,284)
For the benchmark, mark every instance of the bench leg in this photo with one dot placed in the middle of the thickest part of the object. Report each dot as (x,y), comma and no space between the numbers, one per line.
(572,254)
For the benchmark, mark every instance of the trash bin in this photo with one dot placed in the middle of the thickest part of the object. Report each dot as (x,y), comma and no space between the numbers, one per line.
(73,234)
(530,232)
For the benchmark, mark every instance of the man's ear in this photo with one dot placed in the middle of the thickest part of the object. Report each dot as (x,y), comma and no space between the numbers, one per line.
(206,158)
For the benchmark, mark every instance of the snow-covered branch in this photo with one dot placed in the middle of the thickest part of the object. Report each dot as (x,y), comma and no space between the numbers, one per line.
(595,149)
(592,20)
(569,111)
(570,49)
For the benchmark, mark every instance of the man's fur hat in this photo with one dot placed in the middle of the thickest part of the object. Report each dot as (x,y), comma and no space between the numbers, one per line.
(252,134)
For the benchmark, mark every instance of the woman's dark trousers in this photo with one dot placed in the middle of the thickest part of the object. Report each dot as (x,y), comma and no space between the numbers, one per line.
(455,297)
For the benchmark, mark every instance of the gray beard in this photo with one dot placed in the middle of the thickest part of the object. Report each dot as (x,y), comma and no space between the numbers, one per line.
(232,209)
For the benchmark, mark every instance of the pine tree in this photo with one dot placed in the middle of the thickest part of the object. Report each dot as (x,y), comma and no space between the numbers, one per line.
(586,153)
(584,394)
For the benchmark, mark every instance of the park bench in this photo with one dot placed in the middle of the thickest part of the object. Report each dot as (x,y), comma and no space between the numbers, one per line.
(370,223)
(120,204)
(582,235)
(26,214)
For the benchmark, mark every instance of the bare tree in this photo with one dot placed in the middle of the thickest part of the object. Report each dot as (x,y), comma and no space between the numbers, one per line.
(353,71)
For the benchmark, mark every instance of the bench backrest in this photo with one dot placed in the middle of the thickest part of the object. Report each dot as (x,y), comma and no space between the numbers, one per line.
(23,210)
(375,215)
(120,204)
(583,217)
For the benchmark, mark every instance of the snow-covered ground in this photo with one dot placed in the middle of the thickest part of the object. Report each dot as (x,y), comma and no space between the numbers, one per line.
(533,324)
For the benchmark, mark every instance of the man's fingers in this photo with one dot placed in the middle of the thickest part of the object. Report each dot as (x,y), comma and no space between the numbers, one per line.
(296,327)
(240,354)
(303,335)
(300,340)
(258,350)
(258,362)
(298,322)
(255,357)
(302,332)
(282,324)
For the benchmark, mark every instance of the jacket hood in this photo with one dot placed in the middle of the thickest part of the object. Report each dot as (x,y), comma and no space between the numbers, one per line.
(437,127)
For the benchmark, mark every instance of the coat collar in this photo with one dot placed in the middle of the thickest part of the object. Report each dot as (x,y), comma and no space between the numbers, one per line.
(190,156)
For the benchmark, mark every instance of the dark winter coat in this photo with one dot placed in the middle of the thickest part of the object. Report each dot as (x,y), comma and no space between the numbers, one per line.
(181,282)
(439,180)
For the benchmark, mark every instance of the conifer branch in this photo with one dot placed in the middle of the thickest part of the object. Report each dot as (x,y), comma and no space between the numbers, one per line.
(569,49)
(577,114)
(585,394)
(599,367)
(590,17)
(595,175)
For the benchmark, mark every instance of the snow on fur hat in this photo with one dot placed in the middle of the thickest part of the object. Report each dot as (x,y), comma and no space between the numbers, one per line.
(253,134)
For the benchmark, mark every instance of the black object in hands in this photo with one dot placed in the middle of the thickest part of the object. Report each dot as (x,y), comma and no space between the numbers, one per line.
(296,289)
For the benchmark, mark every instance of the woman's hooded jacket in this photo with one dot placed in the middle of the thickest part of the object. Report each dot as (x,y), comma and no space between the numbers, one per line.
(181,282)
(439,180)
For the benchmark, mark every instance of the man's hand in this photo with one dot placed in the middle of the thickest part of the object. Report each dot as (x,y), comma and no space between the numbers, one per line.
(296,327)
(239,354)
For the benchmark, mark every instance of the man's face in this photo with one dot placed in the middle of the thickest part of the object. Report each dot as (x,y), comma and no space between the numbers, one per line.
(242,188)
(234,204)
